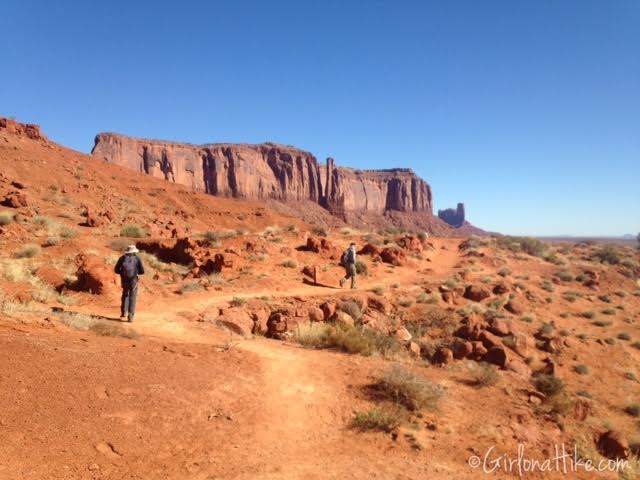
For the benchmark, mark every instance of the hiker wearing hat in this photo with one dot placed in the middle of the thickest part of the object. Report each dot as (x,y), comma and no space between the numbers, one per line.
(129,266)
(348,261)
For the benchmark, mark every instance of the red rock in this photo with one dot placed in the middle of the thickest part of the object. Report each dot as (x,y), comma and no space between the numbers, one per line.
(329,308)
(515,306)
(461,349)
(443,356)
(410,243)
(471,329)
(455,218)
(51,276)
(277,325)
(27,130)
(612,444)
(320,245)
(448,297)
(500,288)
(414,349)
(476,293)
(394,256)
(402,335)
(489,340)
(519,367)
(501,326)
(238,321)
(268,171)
(342,317)
(479,350)
(316,314)
(523,345)
(15,200)
(497,355)
(370,249)
(379,304)
(582,408)
(94,275)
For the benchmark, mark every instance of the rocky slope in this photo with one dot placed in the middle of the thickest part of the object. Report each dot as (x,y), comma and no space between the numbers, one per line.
(270,171)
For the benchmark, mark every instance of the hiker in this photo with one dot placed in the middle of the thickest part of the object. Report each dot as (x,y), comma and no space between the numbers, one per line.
(348,261)
(129,266)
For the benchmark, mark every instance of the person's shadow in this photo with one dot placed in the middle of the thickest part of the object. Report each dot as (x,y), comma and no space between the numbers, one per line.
(306,281)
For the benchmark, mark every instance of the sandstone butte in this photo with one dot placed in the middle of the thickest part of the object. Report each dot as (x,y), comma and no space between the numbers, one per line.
(270,171)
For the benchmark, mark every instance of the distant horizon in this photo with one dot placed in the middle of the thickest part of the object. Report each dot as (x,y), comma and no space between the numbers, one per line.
(527,112)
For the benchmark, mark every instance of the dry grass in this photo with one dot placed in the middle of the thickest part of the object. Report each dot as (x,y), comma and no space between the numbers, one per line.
(355,340)
(384,419)
(483,374)
(406,388)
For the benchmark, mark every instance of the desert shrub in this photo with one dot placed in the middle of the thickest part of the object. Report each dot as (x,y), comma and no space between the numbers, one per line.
(633,409)
(381,419)
(6,217)
(346,231)
(320,231)
(28,251)
(610,341)
(565,276)
(216,236)
(621,293)
(132,231)
(190,287)
(590,314)
(119,244)
(105,329)
(547,285)
(51,242)
(289,263)
(602,323)
(78,321)
(428,299)
(504,272)
(582,369)
(351,308)
(528,318)
(608,254)
(570,296)
(356,340)
(636,345)
(361,268)
(405,302)
(608,311)
(450,283)
(631,376)
(553,257)
(378,290)
(624,336)
(531,246)
(634,446)
(483,374)
(423,236)
(550,385)
(292,228)
(67,232)
(604,298)
(238,301)
(408,389)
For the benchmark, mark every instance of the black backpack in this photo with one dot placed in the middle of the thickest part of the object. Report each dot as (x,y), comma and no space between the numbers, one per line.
(344,260)
(129,268)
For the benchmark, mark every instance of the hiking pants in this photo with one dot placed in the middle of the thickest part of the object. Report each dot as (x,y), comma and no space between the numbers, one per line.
(350,274)
(128,299)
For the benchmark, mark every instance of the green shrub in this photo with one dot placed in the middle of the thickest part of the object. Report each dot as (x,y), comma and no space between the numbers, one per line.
(636,345)
(405,302)
(67,232)
(119,244)
(550,385)
(408,389)
(582,369)
(320,231)
(361,268)
(381,419)
(28,251)
(565,276)
(621,293)
(378,290)
(190,287)
(132,231)
(610,341)
(529,245)
(238,301)
(633,409)
(605,298)
(504,272)
(590,314)
(216,236)
(608,254)
(6,218)
(355,340)
(547,285)
(602,323)
(428,299)
(608,311)
(483,374)
(289,263)
(624,336)
(51,242)
(351,308)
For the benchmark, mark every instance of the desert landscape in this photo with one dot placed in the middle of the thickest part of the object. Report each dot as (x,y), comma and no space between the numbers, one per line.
(458,352)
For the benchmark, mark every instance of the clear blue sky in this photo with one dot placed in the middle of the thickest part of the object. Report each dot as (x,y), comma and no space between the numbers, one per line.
(526,111)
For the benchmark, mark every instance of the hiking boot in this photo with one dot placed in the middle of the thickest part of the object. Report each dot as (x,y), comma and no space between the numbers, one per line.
(341,282)
(130,319)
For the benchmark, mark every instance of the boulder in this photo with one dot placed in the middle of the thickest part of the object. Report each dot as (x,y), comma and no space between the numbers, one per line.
(497,355)
(393,256)
(612,444)
(320,245)
(402,335)
(489,340)
(277,325)
(316,314)
(515,306)
(238,321)
(342,317)
(519,367)
(94,276)
(328,308)
(369,249)
(479,350)
(16,200)
(379,304)
(500,288)
(461,349)
(476,293)
(414,349)
(410,243)
(501,327)
(51,276)
(443,356)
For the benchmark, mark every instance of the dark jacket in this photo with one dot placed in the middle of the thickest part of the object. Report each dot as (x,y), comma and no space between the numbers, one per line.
(139,266)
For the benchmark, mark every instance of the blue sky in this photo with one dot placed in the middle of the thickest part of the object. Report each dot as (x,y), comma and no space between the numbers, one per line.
(526,111)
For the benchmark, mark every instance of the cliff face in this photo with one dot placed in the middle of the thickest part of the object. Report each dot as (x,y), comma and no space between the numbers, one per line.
(455,218)
(268,171)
